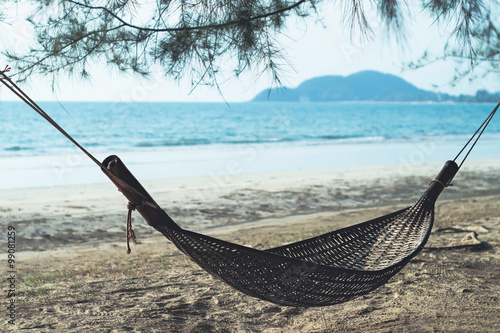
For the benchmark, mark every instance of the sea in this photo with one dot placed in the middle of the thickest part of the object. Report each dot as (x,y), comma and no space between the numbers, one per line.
(173,140)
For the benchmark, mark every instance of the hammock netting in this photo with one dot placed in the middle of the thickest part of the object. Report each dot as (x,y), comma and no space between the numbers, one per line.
(324,270)
(331,268)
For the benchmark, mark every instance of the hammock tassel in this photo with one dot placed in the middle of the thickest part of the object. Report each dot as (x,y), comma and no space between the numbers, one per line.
(130,232)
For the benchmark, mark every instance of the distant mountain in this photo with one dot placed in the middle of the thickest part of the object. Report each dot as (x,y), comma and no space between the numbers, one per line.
(365,86)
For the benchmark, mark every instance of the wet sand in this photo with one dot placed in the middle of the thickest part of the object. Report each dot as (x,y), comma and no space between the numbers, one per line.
(74,275)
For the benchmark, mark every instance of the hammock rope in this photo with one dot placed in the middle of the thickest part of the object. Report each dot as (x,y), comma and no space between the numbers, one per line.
(480,130)
(327,269)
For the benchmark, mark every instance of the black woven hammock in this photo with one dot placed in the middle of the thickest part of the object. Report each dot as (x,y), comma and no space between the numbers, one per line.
(324,270)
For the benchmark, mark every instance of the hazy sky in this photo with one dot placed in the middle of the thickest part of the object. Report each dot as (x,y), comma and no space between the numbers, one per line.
(313,50)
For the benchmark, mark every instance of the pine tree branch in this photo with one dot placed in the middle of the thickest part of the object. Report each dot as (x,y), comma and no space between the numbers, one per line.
(41,60)
(468,58)
(193,28)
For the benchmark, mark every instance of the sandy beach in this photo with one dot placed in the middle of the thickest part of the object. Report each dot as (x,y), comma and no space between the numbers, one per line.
(73,273)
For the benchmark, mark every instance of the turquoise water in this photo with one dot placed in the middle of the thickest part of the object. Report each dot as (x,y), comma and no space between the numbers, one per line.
(142,126)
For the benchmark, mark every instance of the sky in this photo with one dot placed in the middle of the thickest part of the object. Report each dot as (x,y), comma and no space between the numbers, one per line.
(313,49)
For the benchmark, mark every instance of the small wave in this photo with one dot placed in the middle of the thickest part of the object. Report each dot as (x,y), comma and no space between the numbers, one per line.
(261,140)
(369,138)
(17,148)
(336,137)
(194,142)
(93,144)
(145,144)
(200,142)
(243,141)
(187,142)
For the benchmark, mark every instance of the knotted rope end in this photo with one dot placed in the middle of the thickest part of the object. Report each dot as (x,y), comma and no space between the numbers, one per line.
(130,232)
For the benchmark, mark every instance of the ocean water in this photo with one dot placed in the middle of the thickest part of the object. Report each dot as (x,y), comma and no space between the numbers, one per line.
(194,139)
(144,125)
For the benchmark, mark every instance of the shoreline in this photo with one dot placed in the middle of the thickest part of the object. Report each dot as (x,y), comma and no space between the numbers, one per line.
(70,167)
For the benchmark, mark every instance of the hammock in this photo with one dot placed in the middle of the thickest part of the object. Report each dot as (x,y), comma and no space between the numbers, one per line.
(323,270)
(328,269)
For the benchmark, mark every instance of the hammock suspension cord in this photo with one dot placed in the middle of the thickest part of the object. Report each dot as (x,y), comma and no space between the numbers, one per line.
(480,130)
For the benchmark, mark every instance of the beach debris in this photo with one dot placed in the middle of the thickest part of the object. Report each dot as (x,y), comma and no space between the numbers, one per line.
(470,241)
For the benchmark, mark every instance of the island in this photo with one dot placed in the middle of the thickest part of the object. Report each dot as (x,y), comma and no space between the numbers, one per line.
(366,86)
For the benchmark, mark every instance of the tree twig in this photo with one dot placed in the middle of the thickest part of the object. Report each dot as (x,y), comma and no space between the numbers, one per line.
(191,28)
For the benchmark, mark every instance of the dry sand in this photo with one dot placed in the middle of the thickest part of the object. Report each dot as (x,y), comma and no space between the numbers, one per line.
(73,274)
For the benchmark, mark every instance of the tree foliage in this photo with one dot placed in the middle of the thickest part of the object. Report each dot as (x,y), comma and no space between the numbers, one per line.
(201,39)
(478,46)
